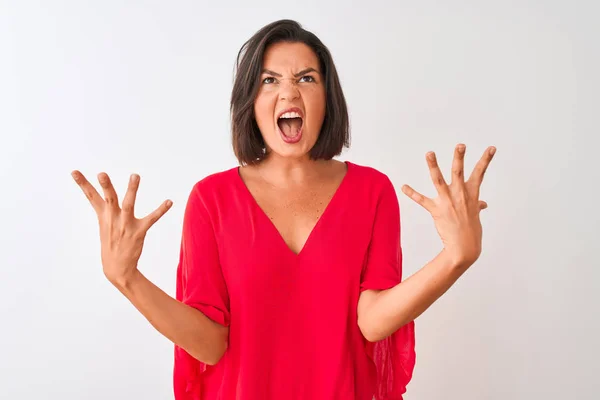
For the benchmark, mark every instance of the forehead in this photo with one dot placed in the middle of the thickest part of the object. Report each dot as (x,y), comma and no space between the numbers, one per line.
(293,56)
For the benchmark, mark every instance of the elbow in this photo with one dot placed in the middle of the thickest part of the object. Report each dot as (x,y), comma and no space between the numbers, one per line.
(375,332)
(214,356)
(369,332)
(212,352)
(210,356)
(218,351)
(374,337)
(212,359)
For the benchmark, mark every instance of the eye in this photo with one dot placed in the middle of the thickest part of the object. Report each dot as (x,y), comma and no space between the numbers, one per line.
(268,80)
(309,77)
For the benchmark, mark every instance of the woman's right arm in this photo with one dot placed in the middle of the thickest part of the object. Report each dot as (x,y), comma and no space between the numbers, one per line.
(183,325)
(122,238)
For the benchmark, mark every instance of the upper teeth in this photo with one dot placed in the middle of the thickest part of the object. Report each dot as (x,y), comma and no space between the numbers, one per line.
(291,114)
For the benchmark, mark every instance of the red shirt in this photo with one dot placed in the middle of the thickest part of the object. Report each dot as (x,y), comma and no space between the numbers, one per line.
(292,318)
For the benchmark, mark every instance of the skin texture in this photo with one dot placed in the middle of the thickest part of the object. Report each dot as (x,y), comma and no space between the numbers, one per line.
(455,212)
(281,89)
(121,239)
(293,191)
(290,188)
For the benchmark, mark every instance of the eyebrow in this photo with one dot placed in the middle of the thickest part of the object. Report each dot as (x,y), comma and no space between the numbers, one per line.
(303,72)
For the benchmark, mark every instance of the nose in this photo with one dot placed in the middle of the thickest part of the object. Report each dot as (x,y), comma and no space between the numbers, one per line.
(288,90)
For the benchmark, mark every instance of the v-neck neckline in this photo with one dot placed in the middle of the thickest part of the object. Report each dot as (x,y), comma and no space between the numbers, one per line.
(276,231)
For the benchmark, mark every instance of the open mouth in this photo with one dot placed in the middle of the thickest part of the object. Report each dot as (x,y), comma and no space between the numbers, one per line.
(290,125)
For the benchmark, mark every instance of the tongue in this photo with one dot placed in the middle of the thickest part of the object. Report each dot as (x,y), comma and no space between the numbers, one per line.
(290,126)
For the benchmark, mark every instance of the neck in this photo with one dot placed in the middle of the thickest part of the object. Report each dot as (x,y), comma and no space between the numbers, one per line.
(287,171)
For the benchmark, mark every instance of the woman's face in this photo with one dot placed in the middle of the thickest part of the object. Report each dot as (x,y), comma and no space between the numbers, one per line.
(290,105)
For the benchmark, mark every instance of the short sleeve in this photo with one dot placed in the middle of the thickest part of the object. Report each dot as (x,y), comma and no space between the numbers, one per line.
(394,357)
(383,266)
(200,284)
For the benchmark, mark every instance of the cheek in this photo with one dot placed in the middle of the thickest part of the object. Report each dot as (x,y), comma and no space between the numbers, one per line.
(316,106)
(263,111)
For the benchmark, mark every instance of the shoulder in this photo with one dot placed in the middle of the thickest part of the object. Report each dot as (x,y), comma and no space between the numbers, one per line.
(373,180)
(215,182)
(375,191)
(212,189)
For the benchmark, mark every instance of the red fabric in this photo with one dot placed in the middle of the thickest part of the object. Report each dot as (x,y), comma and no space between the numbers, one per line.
(293,331)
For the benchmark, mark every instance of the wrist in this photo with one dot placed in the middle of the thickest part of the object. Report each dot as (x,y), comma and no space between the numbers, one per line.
(125,282)
(455,261)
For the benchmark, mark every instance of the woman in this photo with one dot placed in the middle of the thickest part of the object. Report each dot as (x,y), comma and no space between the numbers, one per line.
(289,277)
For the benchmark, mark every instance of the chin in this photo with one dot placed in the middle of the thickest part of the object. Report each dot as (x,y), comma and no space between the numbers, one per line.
(299,149)
(291,153)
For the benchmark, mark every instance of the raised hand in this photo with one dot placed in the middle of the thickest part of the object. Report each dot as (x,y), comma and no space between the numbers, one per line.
(121,233)
(456,209)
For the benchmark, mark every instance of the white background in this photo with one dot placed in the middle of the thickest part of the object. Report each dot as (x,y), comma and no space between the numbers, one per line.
(144,87)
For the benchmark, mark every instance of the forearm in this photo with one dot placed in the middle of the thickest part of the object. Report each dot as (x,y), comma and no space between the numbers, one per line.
(183,325)
(397,306)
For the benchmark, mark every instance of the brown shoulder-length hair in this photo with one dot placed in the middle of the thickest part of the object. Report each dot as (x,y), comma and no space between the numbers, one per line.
(248,143)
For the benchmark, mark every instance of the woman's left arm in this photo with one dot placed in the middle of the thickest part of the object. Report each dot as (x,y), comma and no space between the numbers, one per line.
(456,216)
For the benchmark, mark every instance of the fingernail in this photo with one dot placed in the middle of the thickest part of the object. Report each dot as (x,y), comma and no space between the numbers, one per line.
(492,150)
(169,203)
